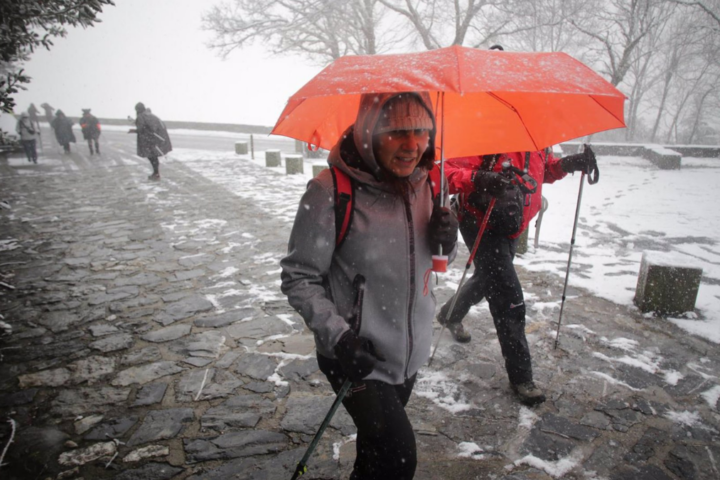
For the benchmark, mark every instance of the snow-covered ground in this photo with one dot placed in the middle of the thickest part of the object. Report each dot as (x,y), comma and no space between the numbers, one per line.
(635,208)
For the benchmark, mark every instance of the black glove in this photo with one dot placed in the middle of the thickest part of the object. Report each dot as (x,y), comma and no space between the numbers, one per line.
(357,356)
(443,228)
(580,162)
(490,182)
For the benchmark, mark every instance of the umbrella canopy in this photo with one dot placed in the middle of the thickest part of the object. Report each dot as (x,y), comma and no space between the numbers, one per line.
(494,101)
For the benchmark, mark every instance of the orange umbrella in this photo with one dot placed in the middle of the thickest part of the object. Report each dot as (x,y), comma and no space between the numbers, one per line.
(494,101)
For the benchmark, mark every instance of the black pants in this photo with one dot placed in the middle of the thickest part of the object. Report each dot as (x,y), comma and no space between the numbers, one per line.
(66,147)
(495,279)
(385,438)
(30,151)
(155,162)
(90,145)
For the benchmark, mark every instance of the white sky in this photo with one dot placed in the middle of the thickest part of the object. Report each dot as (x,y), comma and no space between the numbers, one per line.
(155,52)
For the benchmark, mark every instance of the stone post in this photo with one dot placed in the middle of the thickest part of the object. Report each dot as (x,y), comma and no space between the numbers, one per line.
(273,158)
(316,169)
(299,147)
(666,284)
(241,148)
(294,164)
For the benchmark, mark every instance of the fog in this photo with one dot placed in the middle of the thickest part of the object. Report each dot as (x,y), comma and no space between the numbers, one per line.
(155,52)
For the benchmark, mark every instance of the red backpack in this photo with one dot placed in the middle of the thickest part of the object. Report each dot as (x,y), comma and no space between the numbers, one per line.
(344,188)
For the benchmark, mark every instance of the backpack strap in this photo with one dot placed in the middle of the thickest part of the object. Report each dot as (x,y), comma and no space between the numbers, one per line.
(343,196)
(435,182)
(344,189)
(527,161)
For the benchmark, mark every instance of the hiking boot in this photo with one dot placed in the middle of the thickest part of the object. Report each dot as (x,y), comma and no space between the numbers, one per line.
(459,333)
(155,177)
(529,393)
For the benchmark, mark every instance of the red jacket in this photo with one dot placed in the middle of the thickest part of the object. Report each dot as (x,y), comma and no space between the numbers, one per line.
(544,168)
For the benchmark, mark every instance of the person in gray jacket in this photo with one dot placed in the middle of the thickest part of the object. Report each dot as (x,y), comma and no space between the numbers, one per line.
(28,136)
(395,230)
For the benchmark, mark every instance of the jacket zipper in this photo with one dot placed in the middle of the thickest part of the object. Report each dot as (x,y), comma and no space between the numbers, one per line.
(411,242)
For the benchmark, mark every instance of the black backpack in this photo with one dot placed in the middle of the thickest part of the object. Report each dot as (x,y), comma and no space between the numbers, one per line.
(507,215)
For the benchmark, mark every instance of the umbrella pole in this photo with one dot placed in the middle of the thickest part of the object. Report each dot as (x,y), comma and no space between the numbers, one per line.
(483,224)
(572,244)
(442,154)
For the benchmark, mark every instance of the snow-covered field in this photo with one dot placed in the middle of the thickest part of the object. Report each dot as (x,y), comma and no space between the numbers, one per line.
(635,208)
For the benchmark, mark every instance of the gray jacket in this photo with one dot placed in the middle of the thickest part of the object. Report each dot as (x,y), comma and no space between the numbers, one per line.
(26,129)
(387,243)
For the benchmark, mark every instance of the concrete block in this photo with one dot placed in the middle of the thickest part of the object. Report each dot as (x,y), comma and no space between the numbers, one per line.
(316,169)
(273,158)
(294,164)
(664,158)
(241,148)
(667,284)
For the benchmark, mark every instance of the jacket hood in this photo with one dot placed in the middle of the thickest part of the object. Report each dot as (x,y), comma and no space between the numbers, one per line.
(371,105)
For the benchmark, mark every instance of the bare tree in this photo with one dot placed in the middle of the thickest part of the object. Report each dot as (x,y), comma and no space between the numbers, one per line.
(710,7)
(619,28)
(656,51)
(322,30)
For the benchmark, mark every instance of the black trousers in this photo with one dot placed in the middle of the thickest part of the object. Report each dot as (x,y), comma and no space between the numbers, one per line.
(385,439)
(155,162)
(495,278)
(90,145)
(30,151)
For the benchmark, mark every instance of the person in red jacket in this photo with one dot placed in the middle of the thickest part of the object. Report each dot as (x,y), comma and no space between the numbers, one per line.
(477,179)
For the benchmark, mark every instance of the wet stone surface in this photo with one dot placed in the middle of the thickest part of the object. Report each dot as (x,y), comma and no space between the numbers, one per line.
(147,321)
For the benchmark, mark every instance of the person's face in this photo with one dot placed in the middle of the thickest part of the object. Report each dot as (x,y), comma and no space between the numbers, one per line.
(400,151)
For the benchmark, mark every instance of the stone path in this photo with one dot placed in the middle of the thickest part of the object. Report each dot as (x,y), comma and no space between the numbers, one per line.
(150,341)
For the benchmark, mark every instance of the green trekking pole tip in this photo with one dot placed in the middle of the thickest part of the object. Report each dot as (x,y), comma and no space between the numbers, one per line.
(299,471)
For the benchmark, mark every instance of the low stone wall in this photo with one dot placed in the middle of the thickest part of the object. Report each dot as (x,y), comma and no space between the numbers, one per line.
(635,150)
(662,157)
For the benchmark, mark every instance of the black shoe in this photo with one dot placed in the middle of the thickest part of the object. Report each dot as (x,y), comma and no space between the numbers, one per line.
(155,177)
(458,331)
(529,393)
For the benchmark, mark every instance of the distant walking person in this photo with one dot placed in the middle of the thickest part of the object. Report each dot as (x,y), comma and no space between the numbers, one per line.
(63,130)
(91,130)
(28,136)
(153,140)
(33,112)
(48,112)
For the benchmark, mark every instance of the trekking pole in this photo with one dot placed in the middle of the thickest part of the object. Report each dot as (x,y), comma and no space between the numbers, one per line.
(302,464)
(483,224)
(354,321)
(593,177)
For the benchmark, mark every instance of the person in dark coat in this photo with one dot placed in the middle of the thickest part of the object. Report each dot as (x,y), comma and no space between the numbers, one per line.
(475,178)
(63,130)
(153,140)
(91,129)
